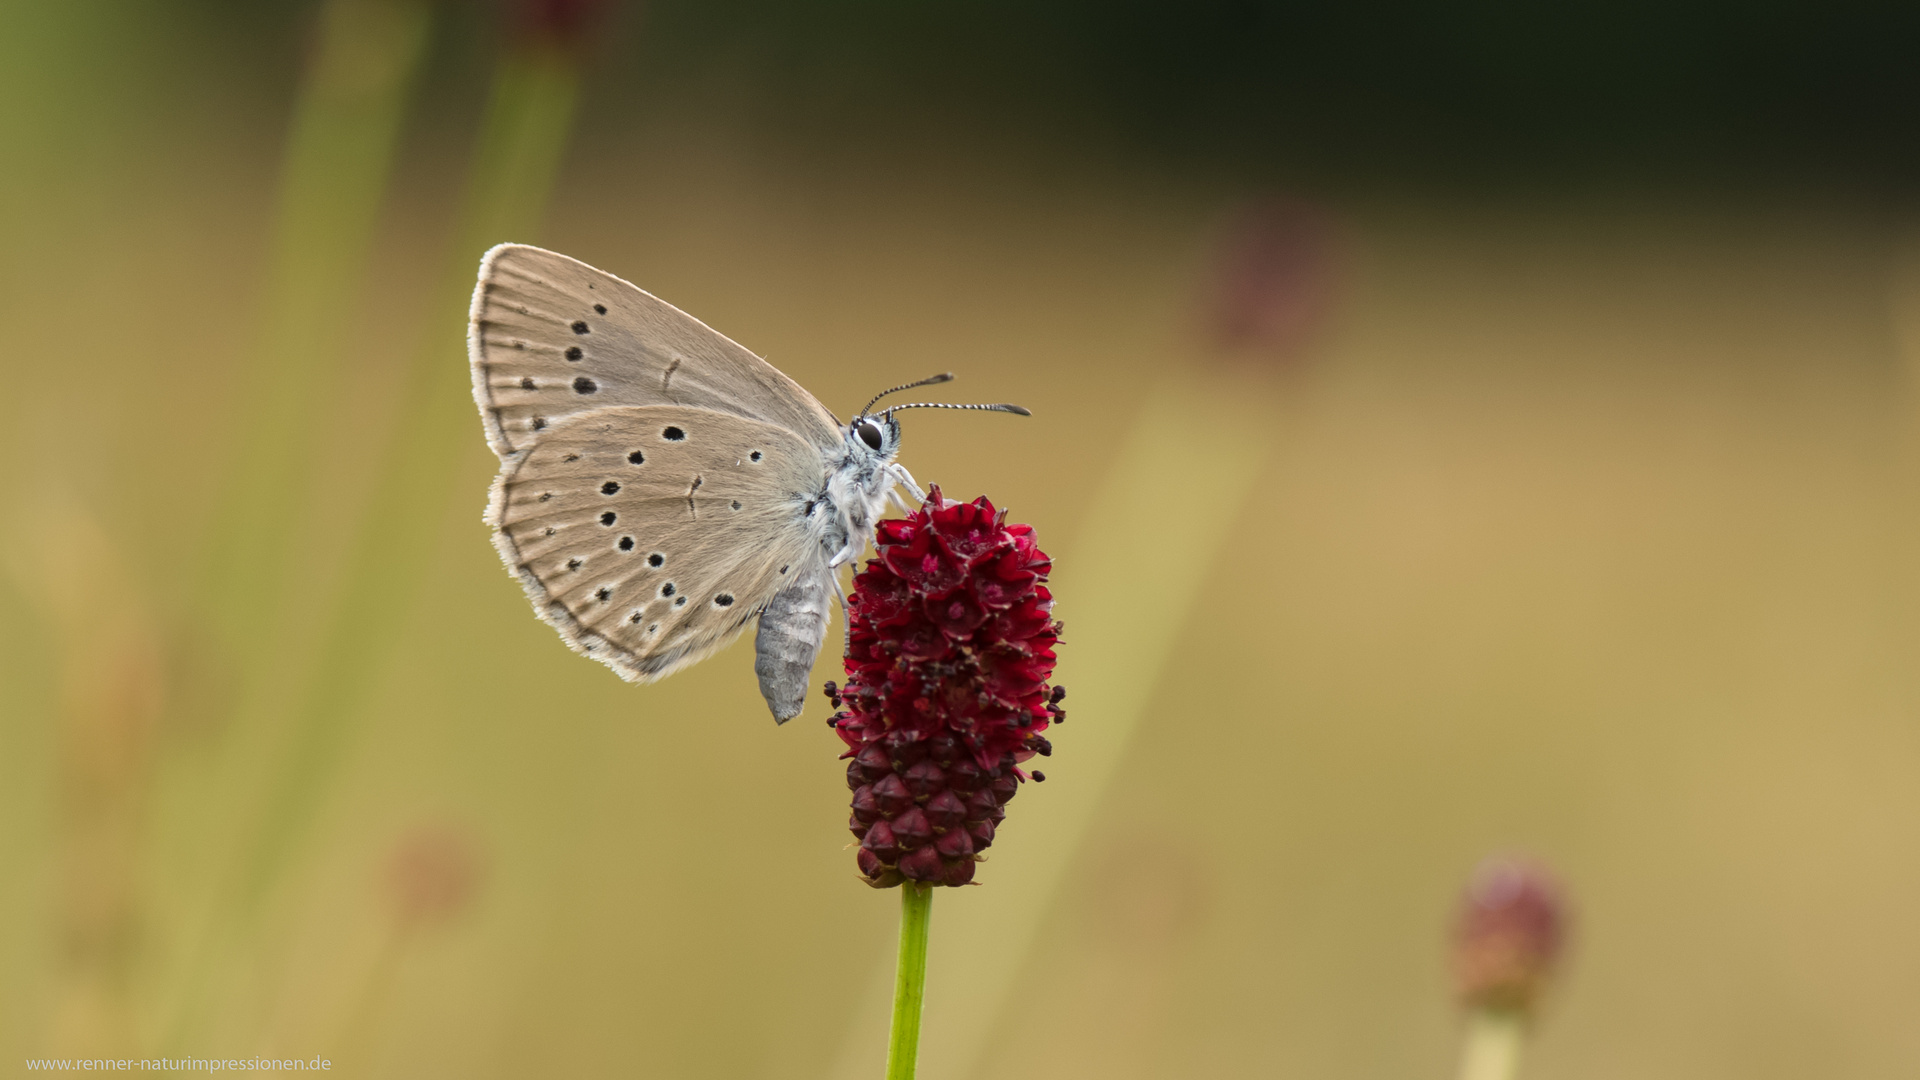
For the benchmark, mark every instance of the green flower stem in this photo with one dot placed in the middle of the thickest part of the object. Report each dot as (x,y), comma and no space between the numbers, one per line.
(910,980)
(1492,1047)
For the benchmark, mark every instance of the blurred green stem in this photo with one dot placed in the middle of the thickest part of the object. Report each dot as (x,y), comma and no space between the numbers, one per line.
(909,980)
(1491,1050)
(519,153)
(521,141)
(338,159)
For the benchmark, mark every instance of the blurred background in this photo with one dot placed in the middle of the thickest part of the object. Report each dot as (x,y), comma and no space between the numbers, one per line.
(1496,423)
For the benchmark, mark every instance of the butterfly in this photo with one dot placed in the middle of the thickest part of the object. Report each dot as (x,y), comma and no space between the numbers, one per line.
(660,486)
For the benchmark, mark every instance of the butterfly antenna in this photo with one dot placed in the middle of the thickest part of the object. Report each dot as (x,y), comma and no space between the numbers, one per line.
(1016,410)
(945,376)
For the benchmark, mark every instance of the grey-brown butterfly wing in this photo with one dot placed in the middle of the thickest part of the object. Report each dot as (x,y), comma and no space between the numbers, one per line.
(550,337)
(650,536)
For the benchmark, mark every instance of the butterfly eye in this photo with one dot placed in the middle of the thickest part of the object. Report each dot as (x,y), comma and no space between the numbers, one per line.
(869,433)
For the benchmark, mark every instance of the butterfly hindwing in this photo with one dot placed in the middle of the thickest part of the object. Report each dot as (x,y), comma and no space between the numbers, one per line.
(650,536)
(551,337)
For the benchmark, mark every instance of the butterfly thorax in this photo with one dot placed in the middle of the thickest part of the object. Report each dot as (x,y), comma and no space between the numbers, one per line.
(859,482)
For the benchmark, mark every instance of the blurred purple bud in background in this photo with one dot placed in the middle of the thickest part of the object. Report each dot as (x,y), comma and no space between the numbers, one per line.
(1273,280)
(433,873)
(1509,935)
(559,24)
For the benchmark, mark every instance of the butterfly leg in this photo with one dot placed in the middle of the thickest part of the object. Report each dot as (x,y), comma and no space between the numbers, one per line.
(845,555)
(901,474)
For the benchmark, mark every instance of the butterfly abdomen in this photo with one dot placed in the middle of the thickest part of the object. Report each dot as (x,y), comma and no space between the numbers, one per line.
(791,630)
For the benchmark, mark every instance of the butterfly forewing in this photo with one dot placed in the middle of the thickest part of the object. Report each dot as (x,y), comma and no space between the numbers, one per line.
(650,536)
(551,338)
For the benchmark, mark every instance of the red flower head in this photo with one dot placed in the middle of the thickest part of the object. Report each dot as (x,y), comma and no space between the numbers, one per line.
(1511,925)
(950,642)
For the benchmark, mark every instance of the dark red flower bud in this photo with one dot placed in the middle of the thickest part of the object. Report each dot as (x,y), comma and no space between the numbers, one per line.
(879,840)
(865,807)
(1005,787)
(949,647)
(904,749)
(879,874)
(874,762)
(921,865)
(954,844)
(890,795)
(911,829)
(965,777)
(982,806)
(945,810)
(1511,925)
(924,779)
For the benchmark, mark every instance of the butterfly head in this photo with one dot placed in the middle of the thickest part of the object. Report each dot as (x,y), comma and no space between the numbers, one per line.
(874,436)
